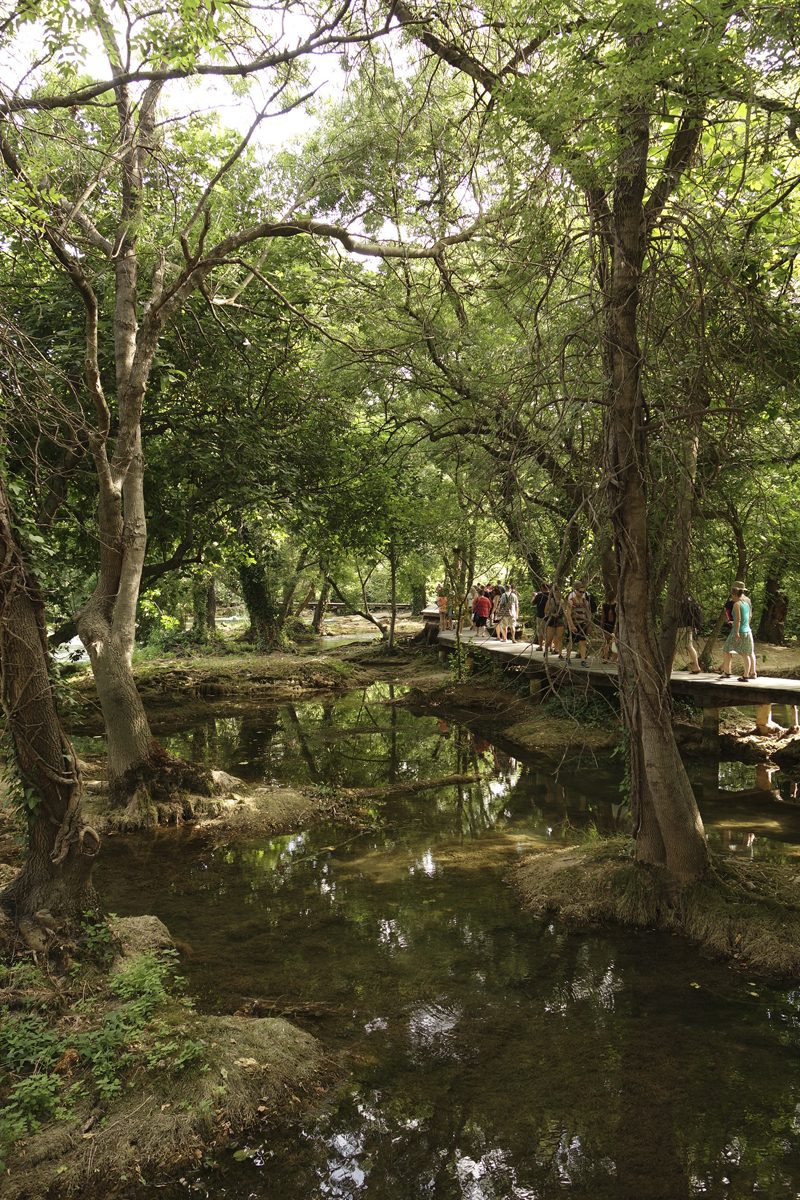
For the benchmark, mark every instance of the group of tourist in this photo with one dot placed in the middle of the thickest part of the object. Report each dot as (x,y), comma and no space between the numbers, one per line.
(497,606)
(572,617)
(739,641)
(566,622)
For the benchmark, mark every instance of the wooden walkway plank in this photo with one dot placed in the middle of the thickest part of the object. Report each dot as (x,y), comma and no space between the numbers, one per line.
(706,689)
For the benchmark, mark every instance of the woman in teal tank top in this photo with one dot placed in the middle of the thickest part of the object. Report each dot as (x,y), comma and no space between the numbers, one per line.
(740,638)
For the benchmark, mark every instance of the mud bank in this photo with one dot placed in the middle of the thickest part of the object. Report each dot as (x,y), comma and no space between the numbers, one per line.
(550,729)
(239,809)
(176,692)
(745,911)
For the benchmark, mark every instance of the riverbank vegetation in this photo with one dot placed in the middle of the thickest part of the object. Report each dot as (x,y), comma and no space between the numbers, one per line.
(745,911)
(110,1075)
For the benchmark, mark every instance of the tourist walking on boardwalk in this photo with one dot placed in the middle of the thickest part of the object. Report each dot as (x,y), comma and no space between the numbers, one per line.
(555,622)
(690,618)
(443,600)
(502,614)
(540,599)
(472,596)
(608,623)
(579,621)
(481,607)
(740,639)
(497,592)
(512,600)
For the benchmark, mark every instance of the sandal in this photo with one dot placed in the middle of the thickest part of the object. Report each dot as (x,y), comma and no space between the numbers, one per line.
(743,679)
(723,674)
(697,672)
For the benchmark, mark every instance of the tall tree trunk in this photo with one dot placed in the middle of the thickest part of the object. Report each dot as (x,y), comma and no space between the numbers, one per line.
(681,550)
(56,876)
(211,607)
(393,579)
(608,561)
(262,609)
(139,769)
(772,624)
(666,820)
(200,590)
(320,607)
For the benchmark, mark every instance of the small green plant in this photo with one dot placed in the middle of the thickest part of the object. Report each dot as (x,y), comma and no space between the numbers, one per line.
(458,662)
(97,937)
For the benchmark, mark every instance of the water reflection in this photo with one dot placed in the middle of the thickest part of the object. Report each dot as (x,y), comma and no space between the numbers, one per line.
(490,1055)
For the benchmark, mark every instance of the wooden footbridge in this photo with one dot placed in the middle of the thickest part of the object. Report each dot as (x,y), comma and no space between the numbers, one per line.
(707,690)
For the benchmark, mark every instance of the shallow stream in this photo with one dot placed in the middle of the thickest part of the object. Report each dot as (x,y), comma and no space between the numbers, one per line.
(491,1055)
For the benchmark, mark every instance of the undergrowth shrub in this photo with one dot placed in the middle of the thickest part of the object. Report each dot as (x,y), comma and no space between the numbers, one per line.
(106,1037)
(586,708)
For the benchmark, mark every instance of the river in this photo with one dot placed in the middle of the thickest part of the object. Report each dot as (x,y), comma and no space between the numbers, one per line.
(489,1055)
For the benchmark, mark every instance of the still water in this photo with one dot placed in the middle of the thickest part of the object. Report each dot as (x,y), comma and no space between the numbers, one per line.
(490,1055)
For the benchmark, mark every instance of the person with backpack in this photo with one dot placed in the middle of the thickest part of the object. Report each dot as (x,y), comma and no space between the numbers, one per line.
(579,621)
(503,614)
(540,599)
(691,616)
(608,624)
(555,622)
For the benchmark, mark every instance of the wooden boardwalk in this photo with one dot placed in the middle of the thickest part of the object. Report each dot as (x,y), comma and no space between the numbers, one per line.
(706,690)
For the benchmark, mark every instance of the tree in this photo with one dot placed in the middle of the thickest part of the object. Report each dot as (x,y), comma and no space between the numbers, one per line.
(45,781)
(625,127)
(100,217)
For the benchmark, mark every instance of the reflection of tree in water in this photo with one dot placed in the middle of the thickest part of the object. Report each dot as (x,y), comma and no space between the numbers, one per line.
(495,1056)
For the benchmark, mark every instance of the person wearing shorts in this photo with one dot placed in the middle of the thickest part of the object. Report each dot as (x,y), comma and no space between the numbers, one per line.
(442,601)
(579,621)
(503,614)
(540,607)
(481,608)
(554,634)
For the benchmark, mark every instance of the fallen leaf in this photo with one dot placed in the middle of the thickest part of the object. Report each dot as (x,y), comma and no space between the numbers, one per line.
(247,1064)
(697,985)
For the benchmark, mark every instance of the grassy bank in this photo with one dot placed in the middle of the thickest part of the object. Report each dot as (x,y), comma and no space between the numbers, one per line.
(745,911)
(110,1076)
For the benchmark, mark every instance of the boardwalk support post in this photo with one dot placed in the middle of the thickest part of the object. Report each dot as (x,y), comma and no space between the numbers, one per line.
(764,722)
(535,688)
(711,725)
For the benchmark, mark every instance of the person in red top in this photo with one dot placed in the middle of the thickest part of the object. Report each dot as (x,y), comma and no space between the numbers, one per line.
(481,606)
